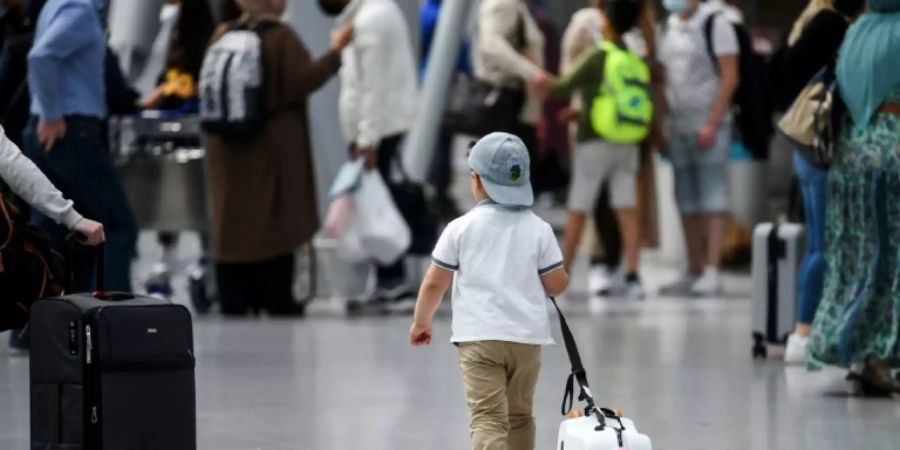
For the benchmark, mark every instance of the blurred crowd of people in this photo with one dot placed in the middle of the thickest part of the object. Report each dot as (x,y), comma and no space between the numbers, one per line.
(59,82)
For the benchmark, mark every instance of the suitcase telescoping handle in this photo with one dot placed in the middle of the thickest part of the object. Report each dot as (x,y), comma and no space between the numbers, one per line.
(74,244)
(579,375)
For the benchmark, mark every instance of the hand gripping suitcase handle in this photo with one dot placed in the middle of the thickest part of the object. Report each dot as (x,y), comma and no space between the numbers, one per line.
(578,373)
(74,242)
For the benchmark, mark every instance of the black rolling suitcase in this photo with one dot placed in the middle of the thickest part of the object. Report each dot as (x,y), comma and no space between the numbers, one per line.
(111,371)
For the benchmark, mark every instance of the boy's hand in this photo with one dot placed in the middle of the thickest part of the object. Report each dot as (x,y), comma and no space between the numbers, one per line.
(420,335)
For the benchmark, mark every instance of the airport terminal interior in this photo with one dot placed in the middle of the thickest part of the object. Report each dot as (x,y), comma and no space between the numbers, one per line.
(686,368)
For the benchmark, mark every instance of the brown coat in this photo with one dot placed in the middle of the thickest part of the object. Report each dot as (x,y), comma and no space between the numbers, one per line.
(262,192)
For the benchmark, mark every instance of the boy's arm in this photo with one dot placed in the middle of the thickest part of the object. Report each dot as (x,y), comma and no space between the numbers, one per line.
(436,283)
(555,282)
(579,76)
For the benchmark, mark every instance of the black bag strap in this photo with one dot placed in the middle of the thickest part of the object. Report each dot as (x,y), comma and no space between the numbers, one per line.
(708,38)
(578,374)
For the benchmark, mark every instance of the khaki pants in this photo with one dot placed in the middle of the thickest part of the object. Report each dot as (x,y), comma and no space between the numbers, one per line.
(500,379)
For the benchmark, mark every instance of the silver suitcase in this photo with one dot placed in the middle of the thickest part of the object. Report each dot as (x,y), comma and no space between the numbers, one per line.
(778,251)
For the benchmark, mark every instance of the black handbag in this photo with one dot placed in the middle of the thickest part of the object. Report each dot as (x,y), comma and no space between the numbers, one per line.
(416,210)
(477,108)
(29,268)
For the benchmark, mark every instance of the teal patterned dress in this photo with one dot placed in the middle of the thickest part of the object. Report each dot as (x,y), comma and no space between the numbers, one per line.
(859,313)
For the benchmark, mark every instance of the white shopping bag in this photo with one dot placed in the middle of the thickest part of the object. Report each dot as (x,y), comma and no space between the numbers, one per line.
(350,246)
(384,234)
(340,213)
(340,220)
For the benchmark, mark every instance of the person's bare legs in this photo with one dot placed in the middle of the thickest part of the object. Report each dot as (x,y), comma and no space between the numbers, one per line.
(575,221)
(630,226)
(716,226)
(693,239)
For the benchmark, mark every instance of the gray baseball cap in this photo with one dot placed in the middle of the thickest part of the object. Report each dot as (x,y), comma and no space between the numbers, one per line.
(502,162)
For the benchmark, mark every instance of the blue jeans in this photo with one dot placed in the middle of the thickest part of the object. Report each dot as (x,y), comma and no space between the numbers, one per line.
(81,167)
(813,182)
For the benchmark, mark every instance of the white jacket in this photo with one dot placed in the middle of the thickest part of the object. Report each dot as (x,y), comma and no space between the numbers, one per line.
(29,183)
(378,74)
(494,58)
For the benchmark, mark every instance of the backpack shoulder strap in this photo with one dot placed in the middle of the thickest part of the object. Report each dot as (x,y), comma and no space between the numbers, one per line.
(708,38)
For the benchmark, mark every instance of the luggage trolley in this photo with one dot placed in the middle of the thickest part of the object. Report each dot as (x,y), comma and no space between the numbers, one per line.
(162,161)
(162,164)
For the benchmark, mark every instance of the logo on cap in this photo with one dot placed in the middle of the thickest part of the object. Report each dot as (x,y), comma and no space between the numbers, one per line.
(515,169)
(515,173)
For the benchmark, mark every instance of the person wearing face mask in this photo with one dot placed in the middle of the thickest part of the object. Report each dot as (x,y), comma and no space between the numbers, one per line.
(699,91)
(377,109)
(262,190)
(813,42)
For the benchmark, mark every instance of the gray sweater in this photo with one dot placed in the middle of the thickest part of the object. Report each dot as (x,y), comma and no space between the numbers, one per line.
(29,183)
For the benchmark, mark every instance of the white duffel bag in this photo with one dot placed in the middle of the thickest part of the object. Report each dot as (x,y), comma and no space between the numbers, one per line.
(598,428)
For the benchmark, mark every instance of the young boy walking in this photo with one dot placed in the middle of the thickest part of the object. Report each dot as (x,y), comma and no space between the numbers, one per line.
(503,261)
(615,87)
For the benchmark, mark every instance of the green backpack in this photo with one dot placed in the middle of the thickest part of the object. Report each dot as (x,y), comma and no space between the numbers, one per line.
(622,112)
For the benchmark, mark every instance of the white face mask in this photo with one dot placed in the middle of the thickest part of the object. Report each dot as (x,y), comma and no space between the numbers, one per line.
(169,13)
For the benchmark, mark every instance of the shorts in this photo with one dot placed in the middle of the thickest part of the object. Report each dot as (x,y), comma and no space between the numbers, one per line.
(597,162)
(701,175)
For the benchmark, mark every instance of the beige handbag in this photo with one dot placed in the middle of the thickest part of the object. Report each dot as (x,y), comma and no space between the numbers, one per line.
(809,123)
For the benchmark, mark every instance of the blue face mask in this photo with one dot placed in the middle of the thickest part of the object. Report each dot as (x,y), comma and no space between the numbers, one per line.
(676,6)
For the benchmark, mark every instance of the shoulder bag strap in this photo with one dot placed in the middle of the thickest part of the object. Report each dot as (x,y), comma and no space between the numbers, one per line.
(578,373)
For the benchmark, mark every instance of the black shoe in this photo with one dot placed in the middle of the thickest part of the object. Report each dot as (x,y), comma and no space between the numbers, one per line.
(375,306)
(403,304)
(292,311)
(18,343)
(875,378)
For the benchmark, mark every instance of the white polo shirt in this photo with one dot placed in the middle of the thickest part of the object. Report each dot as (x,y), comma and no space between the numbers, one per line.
(499,255)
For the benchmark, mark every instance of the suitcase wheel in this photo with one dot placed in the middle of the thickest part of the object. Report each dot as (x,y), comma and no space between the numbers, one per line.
(199,296)
(760,350)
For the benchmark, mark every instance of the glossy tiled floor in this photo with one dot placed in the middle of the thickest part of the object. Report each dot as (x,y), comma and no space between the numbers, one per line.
(681,368)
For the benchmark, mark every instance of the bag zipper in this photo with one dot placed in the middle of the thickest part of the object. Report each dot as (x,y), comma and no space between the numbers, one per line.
(92,382)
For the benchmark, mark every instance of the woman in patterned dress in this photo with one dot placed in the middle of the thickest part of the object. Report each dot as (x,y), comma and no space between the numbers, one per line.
(857,325)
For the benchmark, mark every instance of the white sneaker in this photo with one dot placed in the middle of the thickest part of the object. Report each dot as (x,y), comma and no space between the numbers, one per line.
(680,288)
(634,290)
(795,351)
(709,284)
(599,279)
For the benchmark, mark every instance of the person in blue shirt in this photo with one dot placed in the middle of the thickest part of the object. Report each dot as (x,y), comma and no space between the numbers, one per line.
(428,18)
(65,138)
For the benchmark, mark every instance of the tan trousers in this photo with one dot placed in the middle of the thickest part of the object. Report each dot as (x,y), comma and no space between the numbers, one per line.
(500,379)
